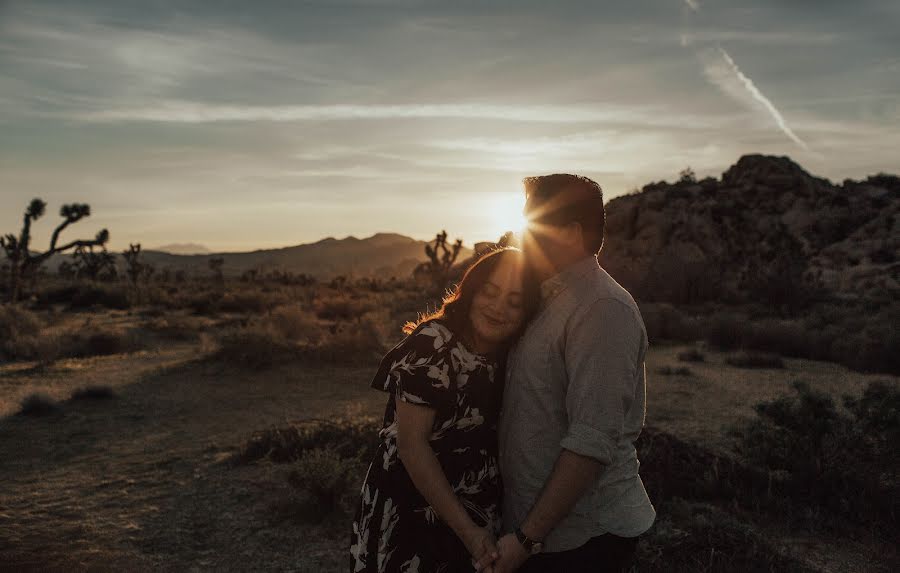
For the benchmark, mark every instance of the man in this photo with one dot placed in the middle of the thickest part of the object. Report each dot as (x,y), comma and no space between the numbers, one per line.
(574,399)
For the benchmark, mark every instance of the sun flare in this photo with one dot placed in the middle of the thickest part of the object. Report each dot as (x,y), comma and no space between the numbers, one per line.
(506,211)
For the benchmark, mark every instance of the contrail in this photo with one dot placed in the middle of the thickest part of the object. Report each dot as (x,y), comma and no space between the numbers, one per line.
(754,92)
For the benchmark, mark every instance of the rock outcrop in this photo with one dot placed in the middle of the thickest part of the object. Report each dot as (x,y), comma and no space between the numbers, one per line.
(705,240)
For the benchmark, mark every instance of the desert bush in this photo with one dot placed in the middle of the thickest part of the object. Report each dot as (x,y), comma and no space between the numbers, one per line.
(674,371)
(248,302)
(81,296)
(328,457)
(325,477)
(665,322)
(745,359)
(691,536)
(93,393)
(255,346)
(38,405)
(175,327)
(16,321)
(357,343)
(348,437)
(785,337)
(725,331)
(101,343)
(691,355)
(19,334)
(342,308)
(847,464)
(296,324)
(203,303)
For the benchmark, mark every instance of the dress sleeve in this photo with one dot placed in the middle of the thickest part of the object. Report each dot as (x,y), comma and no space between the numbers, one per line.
(418,370)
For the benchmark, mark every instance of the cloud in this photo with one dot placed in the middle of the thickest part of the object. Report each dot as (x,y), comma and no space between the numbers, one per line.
(693,5)
(198,112)
(722,71)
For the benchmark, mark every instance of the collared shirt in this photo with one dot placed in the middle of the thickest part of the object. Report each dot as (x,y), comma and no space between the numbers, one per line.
(576,380)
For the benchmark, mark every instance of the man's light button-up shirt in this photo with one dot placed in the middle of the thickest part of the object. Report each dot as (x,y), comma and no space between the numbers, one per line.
(576,381)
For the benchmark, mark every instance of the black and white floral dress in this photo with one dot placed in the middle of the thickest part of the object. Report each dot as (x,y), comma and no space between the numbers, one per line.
(395,529)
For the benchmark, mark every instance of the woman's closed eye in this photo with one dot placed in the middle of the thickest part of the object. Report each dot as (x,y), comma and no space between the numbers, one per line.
(491,290)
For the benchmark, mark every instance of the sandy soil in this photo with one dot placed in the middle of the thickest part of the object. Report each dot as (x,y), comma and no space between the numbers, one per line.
(137,483)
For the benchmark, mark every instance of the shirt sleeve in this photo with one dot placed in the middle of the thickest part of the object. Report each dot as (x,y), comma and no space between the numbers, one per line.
(420,369)
(603,351)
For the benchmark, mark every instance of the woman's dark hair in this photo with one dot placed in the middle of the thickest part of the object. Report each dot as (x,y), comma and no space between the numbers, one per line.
(454,311)
(562,199)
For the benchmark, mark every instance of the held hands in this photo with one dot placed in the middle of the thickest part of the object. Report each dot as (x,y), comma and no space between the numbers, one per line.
(511,556)
(482,547)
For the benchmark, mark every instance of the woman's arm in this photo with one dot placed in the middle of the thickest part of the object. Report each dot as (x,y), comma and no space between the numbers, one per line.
(414,424)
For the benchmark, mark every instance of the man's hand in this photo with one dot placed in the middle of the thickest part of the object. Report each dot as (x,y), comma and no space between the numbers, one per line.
(512,554)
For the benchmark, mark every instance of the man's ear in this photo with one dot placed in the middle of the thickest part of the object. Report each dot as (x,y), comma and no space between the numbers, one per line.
(573,235)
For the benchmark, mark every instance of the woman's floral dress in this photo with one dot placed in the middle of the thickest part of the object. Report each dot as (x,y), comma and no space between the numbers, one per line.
(395,529)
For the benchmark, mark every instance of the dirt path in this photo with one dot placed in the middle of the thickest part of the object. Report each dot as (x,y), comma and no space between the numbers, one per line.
(135,483)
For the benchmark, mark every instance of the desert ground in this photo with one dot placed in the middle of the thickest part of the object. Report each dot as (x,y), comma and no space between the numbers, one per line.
(136,477)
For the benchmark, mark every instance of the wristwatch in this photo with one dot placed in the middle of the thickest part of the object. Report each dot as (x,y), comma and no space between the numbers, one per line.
(531,546)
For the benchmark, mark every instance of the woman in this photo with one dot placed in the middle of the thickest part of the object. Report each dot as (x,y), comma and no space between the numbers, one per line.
(431,498)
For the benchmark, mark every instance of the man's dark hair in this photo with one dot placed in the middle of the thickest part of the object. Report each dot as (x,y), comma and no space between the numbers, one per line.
(562,199)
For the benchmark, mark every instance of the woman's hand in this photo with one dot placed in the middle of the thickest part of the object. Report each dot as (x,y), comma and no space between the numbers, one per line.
(482,547)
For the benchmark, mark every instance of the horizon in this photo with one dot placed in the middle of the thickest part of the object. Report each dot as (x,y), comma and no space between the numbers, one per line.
(243,129)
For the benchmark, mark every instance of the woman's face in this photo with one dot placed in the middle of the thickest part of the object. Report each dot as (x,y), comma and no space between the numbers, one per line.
(497,308)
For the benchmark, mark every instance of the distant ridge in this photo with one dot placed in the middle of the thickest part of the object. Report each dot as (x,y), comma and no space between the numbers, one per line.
(182,249)
(382,254)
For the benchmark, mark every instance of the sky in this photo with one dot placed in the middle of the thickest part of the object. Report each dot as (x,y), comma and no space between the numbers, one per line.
(242,125)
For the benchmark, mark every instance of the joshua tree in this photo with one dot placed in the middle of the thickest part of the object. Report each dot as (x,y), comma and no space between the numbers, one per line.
(136,269)
(440,258)
(20,258)
(93,265)
(215,265)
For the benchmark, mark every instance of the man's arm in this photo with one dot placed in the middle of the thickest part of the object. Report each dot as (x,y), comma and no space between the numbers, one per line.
(572,475)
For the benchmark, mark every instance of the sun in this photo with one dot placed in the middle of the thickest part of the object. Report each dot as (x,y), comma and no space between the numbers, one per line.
(506,213)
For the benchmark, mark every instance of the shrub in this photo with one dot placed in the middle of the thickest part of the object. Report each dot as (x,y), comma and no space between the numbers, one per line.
(38,405)
(358,343)
(754,360)
(297,325)
(255,346)
(19,334)
(848,464)
(93,393)
(788,338)
(94,295)
(665,322)
(325,477)
(725,331)
(349,438)
(669,371)
(176,327)
(247,302)
(342,308)
(692,536)
(101,343)
(691,355)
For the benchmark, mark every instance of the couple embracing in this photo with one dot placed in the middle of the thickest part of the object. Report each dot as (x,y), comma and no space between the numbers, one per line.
(508,436)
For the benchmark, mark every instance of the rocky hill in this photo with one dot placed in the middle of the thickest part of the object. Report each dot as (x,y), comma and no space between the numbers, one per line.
(765,219)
